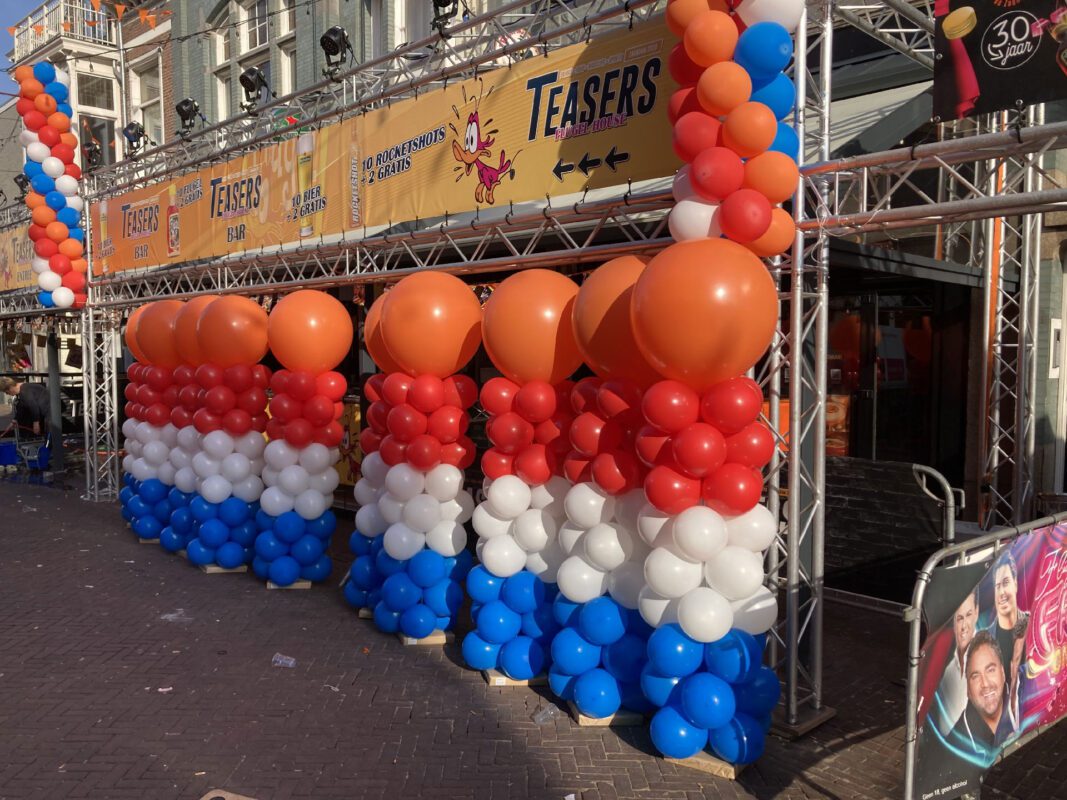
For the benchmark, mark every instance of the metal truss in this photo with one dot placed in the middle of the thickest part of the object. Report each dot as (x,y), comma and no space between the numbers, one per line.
(100,344)
(907,27)
(455,54)
(14,214)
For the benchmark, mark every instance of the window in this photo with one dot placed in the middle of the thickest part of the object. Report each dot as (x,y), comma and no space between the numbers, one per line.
(96,91)
(379,38)
(223,89)
(148,99)
(95,130)
(287,19)
(288,70)
(255,18)
(222,39)
(418,14)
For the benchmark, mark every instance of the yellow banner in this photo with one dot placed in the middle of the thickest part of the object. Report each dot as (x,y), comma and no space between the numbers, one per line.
(16,256)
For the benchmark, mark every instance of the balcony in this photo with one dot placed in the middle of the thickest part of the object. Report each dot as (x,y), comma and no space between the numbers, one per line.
(71,19)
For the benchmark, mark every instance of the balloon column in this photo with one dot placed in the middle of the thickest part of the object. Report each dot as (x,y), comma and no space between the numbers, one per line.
(421,332)
(55,207)
(310,333)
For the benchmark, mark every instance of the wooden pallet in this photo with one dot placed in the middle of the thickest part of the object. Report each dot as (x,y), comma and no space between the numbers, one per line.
(300,584)
(496,678)
(147,541)
(623,718)
(706,762)
(365,613)
(436,638)
(183,554)
(215,569)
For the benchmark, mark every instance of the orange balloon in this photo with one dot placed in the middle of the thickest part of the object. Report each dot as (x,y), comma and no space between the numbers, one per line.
(59,121)
(71,248)
(34,200)
(185,329)
(155,333)
(602,326)
(681,12)
(131,334)
(431,324)
(56,231)
(233,330)
(79,265)
(30,88)
(45,103)
(309,330)
(723,87)
(23,73)
(703,311)
(772,174)
(710,37)
(42,215)
(779,236)
(372,337)
(749,129)
(69,139)
(528,328)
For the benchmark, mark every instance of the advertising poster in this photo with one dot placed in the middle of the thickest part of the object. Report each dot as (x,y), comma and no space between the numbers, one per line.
(991,664)
(351,457)
(16,255)
(993,55)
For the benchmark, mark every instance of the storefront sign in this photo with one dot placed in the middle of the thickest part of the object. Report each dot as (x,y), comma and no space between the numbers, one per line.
(16,256)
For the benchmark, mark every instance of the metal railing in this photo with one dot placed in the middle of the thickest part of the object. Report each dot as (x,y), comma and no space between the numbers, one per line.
(75,19)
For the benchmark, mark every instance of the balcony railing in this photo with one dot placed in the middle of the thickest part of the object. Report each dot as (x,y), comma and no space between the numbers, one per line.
(74,19)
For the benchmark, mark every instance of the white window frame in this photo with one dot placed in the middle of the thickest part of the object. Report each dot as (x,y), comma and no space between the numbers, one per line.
(137,102)
(245,14)
(286,17)
(97,111)
(287,59)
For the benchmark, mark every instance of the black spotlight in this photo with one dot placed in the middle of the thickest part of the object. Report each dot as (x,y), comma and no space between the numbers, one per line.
(136,138)
(23,183)
(93,154)
(188,110)
(443,11)
(253,82)
(335,45)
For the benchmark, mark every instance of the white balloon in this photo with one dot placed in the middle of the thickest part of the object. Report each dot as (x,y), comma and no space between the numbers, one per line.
(607,546)
(404,482)
(487,524)
(249,488)
(324,482)
(215,489)
(189,438)
(38,151)
(129,427)
(699,533)
(682,186)
(365,494)
(545,563)
(257,465)
(63,297)
(49,281)
(756,614)
(754,530)
(275,502)
(401,542)
(41,265)
(65,184)
(127,465)
(142,470)
(293,479)
(579,581)
(180,458)
(447,538)
(279,454)
(251,445)
(217,444)
(421,513)
(53,168)
(694,218)
(626,582)
(370,522)
(75,202)
(705,615)
(236,467)
(587,505)
(309,504)
(315,458)
(509,496)
(670,575)
(135,448)
(503,557)
(166,472)
(444,482)
(569,534)
(156,453)
(374,469)
(205,466)
(651,522)
(461,509)
(185,479)
(148,433)
(28,138)
(656,609)
(551,496)
(392,509)
(628,507)
(786,13)
(269,475)
(534,528)
(735,573)
(169,435)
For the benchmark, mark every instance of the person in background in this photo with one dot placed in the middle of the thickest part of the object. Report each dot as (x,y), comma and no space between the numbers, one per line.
(32,404)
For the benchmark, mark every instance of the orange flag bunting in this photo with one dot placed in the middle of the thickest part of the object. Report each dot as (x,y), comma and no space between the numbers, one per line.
(67,26)
(142,14)
(120,9)
(91,22)
(11,30)
(96,4)
(38,29)
(152,21)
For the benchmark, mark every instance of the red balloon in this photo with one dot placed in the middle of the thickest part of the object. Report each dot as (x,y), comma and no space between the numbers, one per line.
(498,395)
(36,233)
(183,375)
(253,400)
(509,432)
(332,385)
(405,423)
(752,446)
(427,393)
(298,433)
(455,454)
(279,382)
(460,391)
(189,397)
(48,135)
(369,441)
(34,120)
(301,386)
(732,489)
(550,430)
(585,434)
(261,375)
(159,378)
(536,401)
(682,102)
(745,215)
(424,452)
(534,464)
(284,408)
(682,68)
(577,468)
(158,415)
(59,264)
(373,387)
(447,424)
(146,395)
(395,388)
(670,406)
(275,429)
(64,152)
(170,396)
(73,170)
(650,443)
(616,397)
(181,417)
(45,247)
(206,422)
(378,417)
(584,395)
(24,106)
(496,463)
(695,132)
(616,472)
(318,411)
(732,404)
(469,451)
(130,392)
(259,422)
(670,491)
(209,376)
(717,174)
(219,400)
(332,435)
(238,378)
(698,449)
(237,422)
(338,411)
(128,409)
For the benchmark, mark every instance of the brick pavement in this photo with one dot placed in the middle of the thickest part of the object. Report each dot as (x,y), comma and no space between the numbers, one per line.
(126,673)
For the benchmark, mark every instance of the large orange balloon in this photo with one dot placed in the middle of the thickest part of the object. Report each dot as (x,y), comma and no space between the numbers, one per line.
(528,327)
(155,333)
(602,326)
(372,337)
(185,329)
(233,330)
(431,324)
(309,330)
(704,311)
(131,334)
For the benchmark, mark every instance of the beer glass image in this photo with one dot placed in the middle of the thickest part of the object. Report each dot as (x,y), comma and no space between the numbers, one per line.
(103,234)
(305,178)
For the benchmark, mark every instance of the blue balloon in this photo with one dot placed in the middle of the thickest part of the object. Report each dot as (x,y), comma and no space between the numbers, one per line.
(387,565)
(68,216)
(125,494)
(399,592)
(44,72)
(522,658)
(57,90)
(634,698)
(673,653)
(387,621)
(77,234)
(269,547)
(198,554)
(764,49)
(475,608)
(374,596)
(497,623)
(181,519)
(740,741)
(202,510)
(33,168)
(319,571)
(674,736)
(147,527)
(636,625)
(707,701)
(307,550)
(625,658)
(177,499)
(460,565)
(171,541)
(45,299)
(152,491)
(478,653)
(65,108)
(426,568)
(483,586)
(42,184)
(523,592)
(264,521)
(602,621)
(354,596)
(446,623)
(244,534)
(261,568)
(126,515)
(359,544)
(565,612)
(659,689)
(161,511)
(597,694)
(364,574)
(572,654)
(786,141)
(230,555)
(540,623)
(233,511)
(138,507)
(734,657)
(561,684)
(376,544)
(444,597)
(779,95)
(289,527)
(323,525)
(214,533)
(418,622)
(284,571)
(759,694)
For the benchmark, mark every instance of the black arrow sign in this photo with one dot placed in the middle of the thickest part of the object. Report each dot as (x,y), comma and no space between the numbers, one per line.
(614,158)
(562,169)
(588,163)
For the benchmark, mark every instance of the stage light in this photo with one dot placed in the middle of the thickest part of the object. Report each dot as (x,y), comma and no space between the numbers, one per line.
(336,45)
(253,82)
(188,111)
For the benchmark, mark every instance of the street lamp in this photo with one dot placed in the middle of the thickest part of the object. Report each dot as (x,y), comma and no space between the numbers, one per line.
(336,45)
(253,82)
